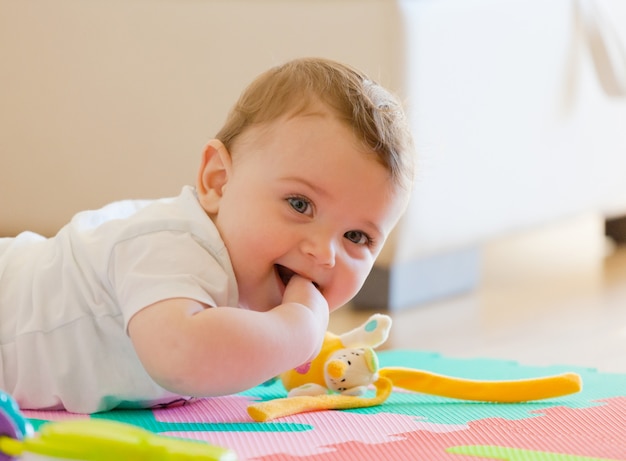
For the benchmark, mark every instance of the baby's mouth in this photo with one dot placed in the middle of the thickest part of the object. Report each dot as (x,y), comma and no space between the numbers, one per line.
(284,273)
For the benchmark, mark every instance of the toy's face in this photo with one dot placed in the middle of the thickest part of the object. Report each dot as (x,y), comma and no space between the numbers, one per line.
(351,370)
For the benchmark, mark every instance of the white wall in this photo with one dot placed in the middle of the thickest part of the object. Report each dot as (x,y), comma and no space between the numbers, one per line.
(102,100)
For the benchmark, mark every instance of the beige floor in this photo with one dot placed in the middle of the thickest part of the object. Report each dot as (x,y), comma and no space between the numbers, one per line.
(554,295)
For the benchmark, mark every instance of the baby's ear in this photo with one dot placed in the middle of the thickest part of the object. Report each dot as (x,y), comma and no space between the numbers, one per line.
(213,175)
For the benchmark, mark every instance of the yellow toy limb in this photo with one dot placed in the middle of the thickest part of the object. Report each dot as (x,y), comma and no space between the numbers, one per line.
(522,390)
(278,408)
(11,447)
(95,440)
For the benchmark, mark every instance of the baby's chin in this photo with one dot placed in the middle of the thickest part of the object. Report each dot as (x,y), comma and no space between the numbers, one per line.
(335,307)
(334,303)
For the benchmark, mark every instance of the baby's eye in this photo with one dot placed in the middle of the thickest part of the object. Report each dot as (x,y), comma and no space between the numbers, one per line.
(300,204)
(358,237)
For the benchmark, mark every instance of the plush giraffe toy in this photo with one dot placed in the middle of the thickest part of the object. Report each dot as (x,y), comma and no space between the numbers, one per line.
(347,365)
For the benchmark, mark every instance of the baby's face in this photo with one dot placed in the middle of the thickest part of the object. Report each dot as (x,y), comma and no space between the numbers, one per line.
(304,197)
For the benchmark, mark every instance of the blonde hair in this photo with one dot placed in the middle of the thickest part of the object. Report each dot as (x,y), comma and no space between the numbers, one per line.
(374,114)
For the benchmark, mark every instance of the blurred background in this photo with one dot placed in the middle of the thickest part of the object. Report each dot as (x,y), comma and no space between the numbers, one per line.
(518,109)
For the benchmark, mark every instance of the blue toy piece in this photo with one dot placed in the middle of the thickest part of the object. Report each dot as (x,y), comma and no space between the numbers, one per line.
(12,423)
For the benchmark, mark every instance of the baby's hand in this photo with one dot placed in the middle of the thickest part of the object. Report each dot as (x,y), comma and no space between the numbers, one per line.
(302,291)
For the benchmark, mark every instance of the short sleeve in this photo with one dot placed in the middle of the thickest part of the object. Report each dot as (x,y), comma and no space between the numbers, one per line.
(163,265)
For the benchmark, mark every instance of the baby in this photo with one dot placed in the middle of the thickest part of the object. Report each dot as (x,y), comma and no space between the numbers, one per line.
(146,303)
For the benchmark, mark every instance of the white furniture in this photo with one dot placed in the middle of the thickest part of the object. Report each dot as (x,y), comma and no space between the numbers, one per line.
(519,111)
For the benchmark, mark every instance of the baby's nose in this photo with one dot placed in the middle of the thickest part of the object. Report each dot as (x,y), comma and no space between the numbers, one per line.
(322,249)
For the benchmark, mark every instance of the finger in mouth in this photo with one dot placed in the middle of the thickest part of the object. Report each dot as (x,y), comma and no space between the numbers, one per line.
(284,273)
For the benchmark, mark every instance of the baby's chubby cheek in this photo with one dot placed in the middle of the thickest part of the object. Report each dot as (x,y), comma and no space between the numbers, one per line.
(343,293)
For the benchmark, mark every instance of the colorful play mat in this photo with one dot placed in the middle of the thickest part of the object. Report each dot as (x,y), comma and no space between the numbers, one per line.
(590,425)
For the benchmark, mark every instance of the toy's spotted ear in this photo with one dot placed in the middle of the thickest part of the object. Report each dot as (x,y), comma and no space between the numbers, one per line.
(372,360)
(372,333)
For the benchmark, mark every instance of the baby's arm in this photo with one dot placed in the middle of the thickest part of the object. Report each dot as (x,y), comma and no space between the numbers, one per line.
(192,350)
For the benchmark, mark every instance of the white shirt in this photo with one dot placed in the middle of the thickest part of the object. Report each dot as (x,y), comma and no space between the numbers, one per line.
(65,302)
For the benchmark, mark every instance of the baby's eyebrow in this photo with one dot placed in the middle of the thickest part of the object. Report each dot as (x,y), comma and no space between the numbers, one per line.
(314,187)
